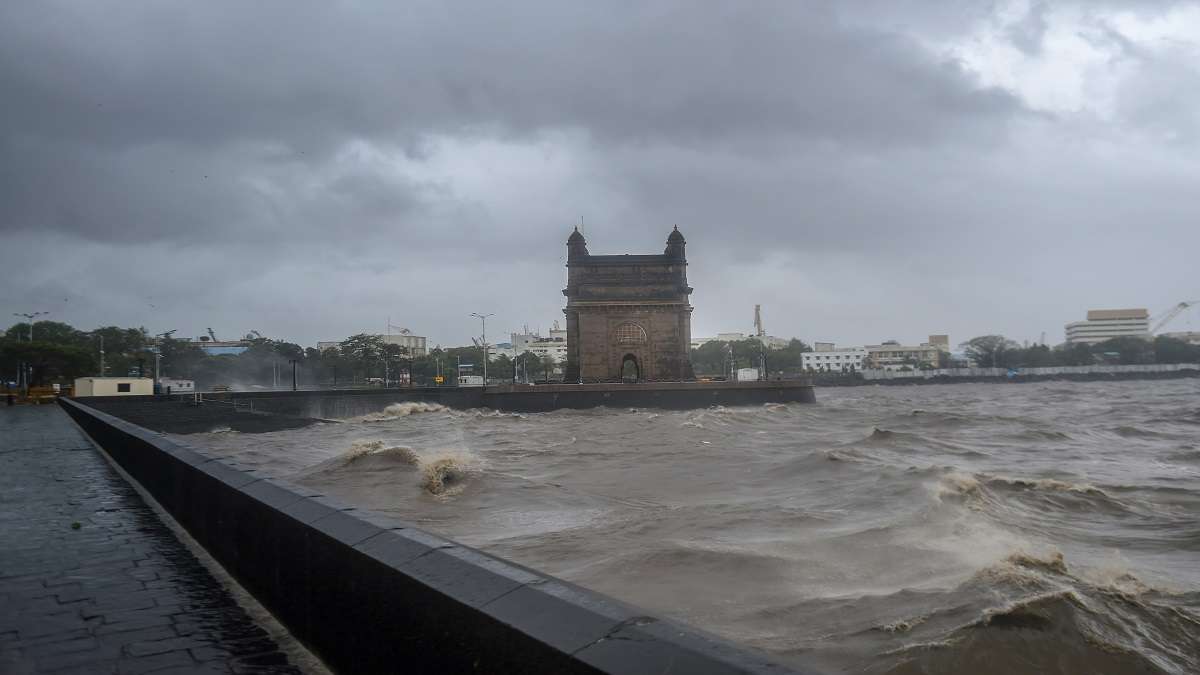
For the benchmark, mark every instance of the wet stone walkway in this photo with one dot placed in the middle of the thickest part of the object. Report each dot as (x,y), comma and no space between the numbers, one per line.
(91,581)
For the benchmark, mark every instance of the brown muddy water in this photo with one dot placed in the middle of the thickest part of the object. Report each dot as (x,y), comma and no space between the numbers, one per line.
(1048,528)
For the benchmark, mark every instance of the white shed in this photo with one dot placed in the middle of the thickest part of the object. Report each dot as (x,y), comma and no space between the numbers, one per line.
(114,386)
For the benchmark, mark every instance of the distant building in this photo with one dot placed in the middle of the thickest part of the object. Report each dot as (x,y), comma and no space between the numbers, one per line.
(414,344)
(826,357)
(114,386)
(521,341)
(892,355)
(1106,324)
(697,343)
(171,385)
(555,346)
(770,341)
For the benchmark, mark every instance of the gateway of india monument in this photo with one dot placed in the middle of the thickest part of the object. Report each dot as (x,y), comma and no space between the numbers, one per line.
(628,316)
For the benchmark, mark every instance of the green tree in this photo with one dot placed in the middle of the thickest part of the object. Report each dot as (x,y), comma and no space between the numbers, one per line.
(362,347)
(1126,350)
(988,351)
(548,366)
(180,358)
(1077,354)
(1037,356)
(49,362)
(1171,350)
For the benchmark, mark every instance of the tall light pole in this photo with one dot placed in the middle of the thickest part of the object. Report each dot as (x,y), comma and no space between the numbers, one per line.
(30,317)
(101,336)
(483,318)
(158,354)
(27,369)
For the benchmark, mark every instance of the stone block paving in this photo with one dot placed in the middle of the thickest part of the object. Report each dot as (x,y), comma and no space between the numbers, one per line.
(91,581)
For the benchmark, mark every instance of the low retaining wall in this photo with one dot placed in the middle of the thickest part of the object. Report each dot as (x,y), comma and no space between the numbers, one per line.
(341,404)
(369,594)
(1049,372)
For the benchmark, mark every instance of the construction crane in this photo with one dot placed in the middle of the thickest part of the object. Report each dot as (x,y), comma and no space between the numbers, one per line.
(1171,314)
(758,326)
(211,335)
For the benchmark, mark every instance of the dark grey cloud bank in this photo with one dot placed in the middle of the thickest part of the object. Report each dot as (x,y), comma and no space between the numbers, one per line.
(309,170)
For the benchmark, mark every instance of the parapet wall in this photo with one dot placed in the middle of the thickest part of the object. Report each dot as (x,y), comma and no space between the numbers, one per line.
(370,595)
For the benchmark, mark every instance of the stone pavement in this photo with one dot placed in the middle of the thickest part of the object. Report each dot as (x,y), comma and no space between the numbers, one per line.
(91,581)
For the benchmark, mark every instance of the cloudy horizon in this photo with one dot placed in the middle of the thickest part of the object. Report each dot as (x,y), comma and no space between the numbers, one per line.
(864,171)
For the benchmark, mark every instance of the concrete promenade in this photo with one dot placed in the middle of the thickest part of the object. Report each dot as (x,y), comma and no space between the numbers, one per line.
(91,581)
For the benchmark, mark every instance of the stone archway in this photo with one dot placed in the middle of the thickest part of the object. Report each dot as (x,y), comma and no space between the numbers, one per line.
(631,370)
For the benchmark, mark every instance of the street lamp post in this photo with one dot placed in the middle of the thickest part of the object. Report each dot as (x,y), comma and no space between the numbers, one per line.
(27,369)
(483,319)
(158,354)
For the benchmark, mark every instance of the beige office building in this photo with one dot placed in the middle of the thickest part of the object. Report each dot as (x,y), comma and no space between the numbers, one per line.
(1106,324)
(895,356)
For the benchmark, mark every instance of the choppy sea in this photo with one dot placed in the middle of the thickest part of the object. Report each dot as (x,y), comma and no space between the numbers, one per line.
(974,528)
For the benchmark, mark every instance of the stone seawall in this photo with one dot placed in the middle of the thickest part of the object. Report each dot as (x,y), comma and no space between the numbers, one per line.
(370,594)
(310,405)
(342,404)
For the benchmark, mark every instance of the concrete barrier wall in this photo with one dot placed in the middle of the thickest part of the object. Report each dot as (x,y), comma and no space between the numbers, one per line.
(342,404)
(372,595)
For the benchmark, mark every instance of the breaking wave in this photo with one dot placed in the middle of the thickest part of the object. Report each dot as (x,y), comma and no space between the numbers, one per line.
(445,473)
(1065,620)
(961,484)
(362,452)
(397,410)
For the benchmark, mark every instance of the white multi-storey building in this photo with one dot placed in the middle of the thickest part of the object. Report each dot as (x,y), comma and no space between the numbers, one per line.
(1106,324)
(826,357)
(554,346)
(770,341)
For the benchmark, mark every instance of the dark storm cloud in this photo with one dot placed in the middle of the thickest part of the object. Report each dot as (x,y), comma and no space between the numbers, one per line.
(213,74)
(278,154)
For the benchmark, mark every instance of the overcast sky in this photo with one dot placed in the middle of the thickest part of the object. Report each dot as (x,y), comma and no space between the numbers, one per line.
(865,171)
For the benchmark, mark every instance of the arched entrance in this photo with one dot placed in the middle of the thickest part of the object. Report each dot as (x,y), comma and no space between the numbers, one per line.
(631,371)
